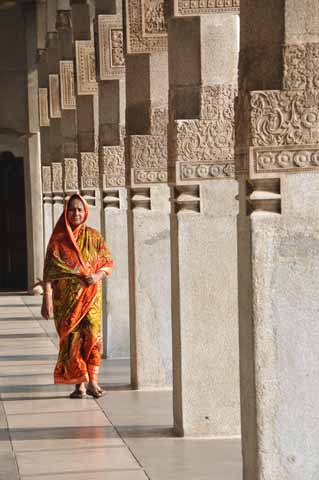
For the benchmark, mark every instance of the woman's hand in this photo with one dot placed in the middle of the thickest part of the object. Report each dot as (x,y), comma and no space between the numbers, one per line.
(47,306)
(93,278)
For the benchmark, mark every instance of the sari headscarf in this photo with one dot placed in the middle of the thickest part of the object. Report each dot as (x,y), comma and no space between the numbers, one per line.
(72,254)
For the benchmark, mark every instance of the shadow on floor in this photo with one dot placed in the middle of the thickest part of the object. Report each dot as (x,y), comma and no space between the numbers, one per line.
(146,431)
(55,433)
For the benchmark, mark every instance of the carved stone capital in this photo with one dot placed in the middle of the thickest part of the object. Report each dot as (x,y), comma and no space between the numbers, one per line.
(278,132)
(113,167)
(201,150)
(148,159)
(89,170)
(54,88)
(71,183)
(146,26)
(46,180)
(44,107)
(111,47)
(85,67)
(57,177)
(68,101)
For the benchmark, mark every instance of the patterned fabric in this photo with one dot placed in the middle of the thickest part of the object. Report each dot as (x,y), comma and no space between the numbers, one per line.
(77,307)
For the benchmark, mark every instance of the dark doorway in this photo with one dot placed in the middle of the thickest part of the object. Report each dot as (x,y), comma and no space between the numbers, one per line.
(13,243)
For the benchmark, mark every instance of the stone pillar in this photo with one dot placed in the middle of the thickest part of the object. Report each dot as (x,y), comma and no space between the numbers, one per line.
(67,98)
(44,122)
(149,225)
(32,157)
(87,107)
(203,56)
(277,165)
(112,167)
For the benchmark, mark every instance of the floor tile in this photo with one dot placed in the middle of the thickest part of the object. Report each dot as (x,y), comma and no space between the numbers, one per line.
(64,461)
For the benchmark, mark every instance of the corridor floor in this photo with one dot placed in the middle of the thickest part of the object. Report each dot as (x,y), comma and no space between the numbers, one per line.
(125,435)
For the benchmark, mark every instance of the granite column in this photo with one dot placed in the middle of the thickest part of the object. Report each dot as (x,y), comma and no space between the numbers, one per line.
(277,167)
(203,56)
(149,225)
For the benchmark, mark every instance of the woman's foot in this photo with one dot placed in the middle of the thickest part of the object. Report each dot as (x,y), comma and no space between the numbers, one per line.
(79,391)
(94,390)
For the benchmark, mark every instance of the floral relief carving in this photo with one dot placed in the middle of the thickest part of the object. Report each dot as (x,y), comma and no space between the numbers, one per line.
(70,174)
(111,47)
(146,26)
(85,67)
(67,85)
(117,54)
(284,118)
(44,108)
(89,170)
(57,177)
(154,17)
(113,166)
(217,104)
(301,66)
(148,155)
(159,120)
(204,141)
(46,179)
(54,89)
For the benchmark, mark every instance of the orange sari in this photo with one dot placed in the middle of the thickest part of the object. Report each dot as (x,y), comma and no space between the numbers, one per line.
(71,254)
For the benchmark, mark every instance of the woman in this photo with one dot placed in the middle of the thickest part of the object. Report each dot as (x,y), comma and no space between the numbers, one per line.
(76,261)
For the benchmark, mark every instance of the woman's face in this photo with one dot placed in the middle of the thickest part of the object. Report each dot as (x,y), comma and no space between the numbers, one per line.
(76,212)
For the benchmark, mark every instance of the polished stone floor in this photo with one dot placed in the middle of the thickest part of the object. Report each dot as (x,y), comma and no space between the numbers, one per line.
(125,435)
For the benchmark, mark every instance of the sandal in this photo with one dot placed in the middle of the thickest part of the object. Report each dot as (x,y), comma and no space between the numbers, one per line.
(95,392)
(78,394)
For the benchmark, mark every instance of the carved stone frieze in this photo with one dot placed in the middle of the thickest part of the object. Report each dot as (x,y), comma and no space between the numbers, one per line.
(192,171)
(111,47)
(46,179)
(68,101)
(85,67)
(43,108)
(270,162)
(284,117)
(146,26)
(301,66)
(198,7)
(113,166)
(71,174)
(54,86)
(89,171)
(57,177)
(148,159)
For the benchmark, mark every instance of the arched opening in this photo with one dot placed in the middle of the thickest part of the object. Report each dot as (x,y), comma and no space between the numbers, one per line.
(13,243)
